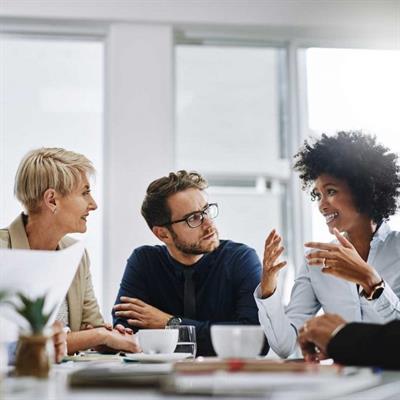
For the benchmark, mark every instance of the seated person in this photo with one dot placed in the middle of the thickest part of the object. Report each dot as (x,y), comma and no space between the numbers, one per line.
(52,184)
(356,183)
(194,279)
(352,343)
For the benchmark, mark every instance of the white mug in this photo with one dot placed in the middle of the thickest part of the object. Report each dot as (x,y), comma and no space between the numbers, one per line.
(154,341)
(237,341)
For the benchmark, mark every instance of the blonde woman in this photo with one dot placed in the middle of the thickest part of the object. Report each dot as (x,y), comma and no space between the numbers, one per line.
(53,186)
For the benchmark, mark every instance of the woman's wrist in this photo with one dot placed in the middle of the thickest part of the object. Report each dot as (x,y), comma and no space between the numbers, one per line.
(372,279)
(268,285)
(102,334)
(267,293)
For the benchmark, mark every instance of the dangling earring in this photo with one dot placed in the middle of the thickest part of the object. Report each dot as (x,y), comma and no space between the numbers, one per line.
(54,210)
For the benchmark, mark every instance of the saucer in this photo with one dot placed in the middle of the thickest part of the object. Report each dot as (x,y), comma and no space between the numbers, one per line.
(156,358)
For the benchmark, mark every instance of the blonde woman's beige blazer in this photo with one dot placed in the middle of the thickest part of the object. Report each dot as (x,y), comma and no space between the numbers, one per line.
(82,303)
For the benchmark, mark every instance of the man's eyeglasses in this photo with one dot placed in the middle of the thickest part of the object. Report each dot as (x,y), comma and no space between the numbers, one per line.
(196,218)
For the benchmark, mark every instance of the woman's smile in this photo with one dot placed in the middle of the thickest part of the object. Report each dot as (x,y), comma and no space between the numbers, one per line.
(330,217)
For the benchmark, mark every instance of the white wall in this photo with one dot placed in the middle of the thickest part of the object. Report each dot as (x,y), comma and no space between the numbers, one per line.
(138,137)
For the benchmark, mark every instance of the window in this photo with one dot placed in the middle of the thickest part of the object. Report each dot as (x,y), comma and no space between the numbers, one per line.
(353,89)
(230,127)
(231,113)
(52,96)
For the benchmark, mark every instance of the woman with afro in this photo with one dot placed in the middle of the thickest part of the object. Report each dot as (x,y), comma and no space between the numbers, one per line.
(356,182)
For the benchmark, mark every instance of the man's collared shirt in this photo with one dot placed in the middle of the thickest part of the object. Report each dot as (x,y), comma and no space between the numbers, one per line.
(224,281)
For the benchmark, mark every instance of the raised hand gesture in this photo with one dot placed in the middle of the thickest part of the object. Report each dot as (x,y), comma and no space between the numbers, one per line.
(271,264)
(343,261)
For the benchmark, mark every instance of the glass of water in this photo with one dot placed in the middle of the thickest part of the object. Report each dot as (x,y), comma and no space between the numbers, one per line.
(186,339)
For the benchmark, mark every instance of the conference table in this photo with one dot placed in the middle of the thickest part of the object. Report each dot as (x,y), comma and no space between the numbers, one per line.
(115,379)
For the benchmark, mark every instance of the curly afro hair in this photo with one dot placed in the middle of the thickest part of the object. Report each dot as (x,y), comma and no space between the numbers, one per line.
(370,170)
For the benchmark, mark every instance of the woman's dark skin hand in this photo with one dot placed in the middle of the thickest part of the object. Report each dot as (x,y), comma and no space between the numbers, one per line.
(343,261)
(271,264)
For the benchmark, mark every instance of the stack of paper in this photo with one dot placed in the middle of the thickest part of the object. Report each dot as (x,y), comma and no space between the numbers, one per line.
(137,375)
(307,386)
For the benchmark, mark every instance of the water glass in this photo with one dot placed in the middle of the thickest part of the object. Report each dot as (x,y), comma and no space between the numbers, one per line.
(186,339)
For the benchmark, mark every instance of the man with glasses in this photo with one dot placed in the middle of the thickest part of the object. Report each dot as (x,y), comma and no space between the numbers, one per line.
(194,278)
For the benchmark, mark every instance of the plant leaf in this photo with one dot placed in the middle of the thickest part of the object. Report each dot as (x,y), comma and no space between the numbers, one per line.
(33,311)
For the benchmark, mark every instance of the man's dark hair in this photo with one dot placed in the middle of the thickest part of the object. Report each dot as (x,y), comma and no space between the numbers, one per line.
(155,209)
(369,169)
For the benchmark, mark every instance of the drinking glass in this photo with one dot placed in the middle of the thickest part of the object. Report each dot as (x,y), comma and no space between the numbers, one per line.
(186,339)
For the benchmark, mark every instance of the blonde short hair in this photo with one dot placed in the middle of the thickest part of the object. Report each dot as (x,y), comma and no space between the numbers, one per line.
(46,168)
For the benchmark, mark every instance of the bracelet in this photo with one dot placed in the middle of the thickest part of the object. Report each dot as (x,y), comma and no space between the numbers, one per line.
(377,290)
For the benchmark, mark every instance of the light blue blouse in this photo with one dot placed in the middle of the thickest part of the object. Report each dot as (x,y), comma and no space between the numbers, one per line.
(314,290)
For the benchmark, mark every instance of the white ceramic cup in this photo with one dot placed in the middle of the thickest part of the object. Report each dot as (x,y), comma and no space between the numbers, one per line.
(154,341)
(237,341)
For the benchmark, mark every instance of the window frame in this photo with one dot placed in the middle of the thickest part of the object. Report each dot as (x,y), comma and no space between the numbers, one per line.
(279,175)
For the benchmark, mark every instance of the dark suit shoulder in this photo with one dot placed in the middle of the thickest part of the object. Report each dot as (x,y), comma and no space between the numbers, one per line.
(238,258)
(146,256)
(236,251)
(231,247)
(148,251)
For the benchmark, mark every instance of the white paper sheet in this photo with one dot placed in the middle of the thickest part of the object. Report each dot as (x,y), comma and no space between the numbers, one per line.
(36,273)
(273,386)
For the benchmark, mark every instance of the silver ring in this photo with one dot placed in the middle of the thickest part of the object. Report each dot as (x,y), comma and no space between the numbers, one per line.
(323,263)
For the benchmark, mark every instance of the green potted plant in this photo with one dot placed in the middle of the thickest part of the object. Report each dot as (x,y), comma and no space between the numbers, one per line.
(33,357)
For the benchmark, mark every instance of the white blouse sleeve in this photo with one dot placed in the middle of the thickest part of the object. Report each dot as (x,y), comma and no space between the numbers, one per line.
(281,325)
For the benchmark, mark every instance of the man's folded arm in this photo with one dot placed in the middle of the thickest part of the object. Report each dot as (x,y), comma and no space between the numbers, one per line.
(132,285)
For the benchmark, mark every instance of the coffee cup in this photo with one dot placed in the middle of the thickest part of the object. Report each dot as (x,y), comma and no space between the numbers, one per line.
(154,341)
(237,341)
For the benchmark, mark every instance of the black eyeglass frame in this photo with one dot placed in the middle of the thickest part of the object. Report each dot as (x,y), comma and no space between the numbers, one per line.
(202,214)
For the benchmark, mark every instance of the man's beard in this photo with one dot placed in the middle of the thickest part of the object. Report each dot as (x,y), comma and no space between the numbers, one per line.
(195,248)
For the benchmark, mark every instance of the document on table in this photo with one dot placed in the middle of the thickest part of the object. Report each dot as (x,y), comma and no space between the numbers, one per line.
(283,385)
(124,375)
(90,356)
(36,273)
